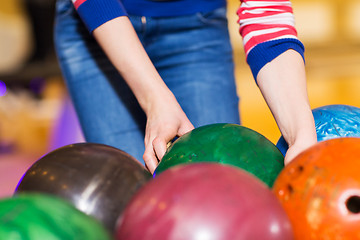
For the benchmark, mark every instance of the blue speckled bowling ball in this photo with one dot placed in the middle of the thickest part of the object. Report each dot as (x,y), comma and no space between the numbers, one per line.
(332,121)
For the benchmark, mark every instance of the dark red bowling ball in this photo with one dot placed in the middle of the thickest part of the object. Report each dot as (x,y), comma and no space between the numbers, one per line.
(97,179)
(204,201)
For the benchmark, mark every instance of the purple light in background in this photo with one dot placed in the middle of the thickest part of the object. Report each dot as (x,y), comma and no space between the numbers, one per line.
(2,88)
(66,129)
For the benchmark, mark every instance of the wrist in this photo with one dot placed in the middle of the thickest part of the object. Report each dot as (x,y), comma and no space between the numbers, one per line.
(156,99)
(303,135)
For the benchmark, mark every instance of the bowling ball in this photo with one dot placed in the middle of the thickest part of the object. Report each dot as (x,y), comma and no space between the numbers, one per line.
(226,144)
(332,121)
(204,201)
(97,179)
(320,190)
(39,216)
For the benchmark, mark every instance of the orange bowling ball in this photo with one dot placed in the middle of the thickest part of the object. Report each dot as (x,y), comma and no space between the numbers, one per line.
(320,191)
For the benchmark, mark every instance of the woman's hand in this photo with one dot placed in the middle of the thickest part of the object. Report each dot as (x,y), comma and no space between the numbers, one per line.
(295,149)
(165,120)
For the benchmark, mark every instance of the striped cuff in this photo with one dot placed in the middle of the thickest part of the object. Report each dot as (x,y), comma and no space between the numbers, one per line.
(97,12)
(265,52)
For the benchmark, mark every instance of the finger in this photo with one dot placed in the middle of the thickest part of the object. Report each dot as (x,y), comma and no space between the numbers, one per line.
(160,146)
(150,159)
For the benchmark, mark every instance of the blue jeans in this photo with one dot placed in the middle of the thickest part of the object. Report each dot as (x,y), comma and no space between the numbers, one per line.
(192,54)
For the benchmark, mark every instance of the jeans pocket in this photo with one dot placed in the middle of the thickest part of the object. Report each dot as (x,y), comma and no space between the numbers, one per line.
(215,17)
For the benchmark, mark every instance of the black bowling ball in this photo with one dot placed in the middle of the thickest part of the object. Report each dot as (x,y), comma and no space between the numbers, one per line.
(97,179)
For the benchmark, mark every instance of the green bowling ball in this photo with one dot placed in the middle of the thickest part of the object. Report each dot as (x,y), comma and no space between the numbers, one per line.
(226,144)
(43,217)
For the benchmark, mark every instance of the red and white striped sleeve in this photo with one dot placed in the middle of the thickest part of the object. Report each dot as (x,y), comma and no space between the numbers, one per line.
(268,29)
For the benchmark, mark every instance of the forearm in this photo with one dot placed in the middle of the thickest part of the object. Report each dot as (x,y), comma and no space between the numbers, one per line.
(275,57)
(283,85)
(119,41)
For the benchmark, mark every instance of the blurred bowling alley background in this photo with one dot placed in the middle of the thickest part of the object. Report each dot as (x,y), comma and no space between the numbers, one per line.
(36,115)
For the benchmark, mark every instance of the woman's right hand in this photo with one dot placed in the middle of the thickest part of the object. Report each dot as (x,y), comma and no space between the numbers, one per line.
(165,120)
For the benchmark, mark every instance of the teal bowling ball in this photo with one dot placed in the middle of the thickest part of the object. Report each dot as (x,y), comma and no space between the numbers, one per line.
(45,217)
(230,144)
(332,121)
